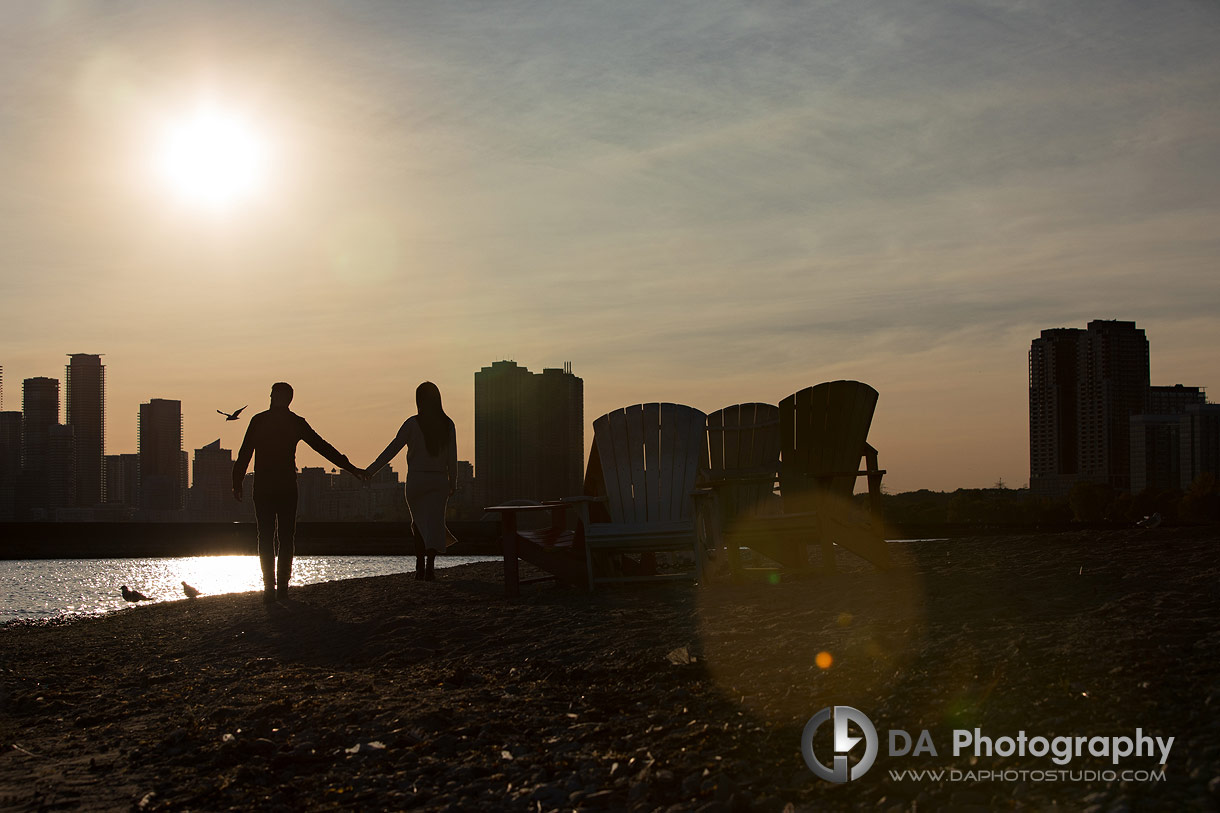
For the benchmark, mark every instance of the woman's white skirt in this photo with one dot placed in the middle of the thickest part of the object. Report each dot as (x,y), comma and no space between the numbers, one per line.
(427,494)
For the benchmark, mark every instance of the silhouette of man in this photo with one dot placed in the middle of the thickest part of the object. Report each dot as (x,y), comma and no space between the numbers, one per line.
(274,435)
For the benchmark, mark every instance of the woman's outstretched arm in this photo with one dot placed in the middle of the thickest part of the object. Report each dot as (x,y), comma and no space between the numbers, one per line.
(396,446)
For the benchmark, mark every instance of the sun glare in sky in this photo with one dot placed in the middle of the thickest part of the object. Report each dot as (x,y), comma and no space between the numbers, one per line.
(213,158)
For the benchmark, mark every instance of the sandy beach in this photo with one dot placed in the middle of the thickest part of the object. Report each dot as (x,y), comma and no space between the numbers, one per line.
(387,693)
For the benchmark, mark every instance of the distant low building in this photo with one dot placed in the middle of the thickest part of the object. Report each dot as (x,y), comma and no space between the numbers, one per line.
(61,467)
(211,492)
(123,480)
(342,497)
(1156,438)
(1200,438)
(462,503)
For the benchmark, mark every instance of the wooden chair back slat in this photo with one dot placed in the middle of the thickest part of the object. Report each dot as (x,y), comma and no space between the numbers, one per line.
(656,485)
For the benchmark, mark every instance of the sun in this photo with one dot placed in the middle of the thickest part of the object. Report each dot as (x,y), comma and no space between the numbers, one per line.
(212,157)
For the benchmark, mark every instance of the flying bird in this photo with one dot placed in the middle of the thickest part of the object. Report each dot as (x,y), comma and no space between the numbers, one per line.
(231,416)
(191,592)
(132,595)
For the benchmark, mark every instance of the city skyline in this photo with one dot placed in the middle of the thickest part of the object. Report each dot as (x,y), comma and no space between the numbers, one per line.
(566,372)
(707,204)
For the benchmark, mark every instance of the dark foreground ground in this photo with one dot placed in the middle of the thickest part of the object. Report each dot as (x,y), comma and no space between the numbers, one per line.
(388,693)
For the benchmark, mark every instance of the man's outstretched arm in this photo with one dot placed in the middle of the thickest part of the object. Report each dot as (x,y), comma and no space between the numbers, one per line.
(315,442)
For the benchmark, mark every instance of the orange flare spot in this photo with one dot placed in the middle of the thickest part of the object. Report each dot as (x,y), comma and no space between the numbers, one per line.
(823,660)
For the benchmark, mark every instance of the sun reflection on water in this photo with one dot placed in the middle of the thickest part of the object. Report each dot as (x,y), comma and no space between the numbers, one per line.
(45,588)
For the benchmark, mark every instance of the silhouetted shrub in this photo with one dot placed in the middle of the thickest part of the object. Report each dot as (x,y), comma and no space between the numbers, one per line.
(1201,502)
(1090,502)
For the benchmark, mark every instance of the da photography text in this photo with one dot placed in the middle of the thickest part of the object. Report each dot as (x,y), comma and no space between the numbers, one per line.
(1058,749)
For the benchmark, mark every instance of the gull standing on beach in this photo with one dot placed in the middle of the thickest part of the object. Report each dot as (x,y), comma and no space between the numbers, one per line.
(431,441)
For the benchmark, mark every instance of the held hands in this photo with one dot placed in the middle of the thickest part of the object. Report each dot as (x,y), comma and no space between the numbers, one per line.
(360,474)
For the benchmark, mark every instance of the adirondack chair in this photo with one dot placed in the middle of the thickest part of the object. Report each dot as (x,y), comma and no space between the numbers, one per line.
(822,439)
(554,549)
(637,502)
(647,457)
(739,466)
(823,436)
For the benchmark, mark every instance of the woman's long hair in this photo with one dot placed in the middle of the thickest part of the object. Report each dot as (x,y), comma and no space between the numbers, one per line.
(435,424)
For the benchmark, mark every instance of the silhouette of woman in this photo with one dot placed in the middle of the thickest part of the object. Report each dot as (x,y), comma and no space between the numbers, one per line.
(431,442)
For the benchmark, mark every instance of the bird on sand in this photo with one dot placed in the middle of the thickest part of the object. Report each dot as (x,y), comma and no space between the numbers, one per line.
(231,416)
(132,595)
(1150,522)
(191,592)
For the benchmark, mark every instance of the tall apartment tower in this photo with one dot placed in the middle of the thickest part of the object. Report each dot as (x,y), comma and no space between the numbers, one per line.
(528,433)
(561,441)
(1084,386)
(86,414)
(39,412)
(162,460)
(10,463)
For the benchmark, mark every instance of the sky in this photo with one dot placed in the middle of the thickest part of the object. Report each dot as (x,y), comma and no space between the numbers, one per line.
(700,201)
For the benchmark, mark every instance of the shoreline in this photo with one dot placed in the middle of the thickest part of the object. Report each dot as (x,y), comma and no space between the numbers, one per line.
(129,540)
(389,693)
(48,590)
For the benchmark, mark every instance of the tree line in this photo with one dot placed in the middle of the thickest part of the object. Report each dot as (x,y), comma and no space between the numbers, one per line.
(1087,502)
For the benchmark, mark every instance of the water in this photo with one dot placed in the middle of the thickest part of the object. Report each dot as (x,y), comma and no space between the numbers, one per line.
(46,588)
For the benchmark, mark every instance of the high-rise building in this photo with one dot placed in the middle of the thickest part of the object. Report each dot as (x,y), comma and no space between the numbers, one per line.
(1084,386)
(162,478)
(504,426)
(10,463)
(39,412)
(86,413)
(561,436)
(529,433)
